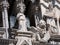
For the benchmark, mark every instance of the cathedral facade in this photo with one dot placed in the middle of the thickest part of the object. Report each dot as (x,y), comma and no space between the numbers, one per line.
(29,22)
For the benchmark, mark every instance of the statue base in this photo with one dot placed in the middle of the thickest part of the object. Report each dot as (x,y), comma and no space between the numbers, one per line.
(23,37)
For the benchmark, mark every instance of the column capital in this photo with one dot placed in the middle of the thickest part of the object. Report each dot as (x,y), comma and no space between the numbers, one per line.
(5,4)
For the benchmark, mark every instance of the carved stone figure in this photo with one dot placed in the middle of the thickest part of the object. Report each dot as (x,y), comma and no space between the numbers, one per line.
(21,17)
(44,34)
(23,35)
(40,32)
(22,21)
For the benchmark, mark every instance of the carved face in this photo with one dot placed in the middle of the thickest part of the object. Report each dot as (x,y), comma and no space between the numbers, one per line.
(21,6)
(42,25)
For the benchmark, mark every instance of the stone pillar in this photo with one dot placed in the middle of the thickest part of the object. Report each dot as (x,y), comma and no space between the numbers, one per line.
(5,5)
(3,17)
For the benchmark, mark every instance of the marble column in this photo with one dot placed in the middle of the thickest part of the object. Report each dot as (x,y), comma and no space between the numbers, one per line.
(5,6)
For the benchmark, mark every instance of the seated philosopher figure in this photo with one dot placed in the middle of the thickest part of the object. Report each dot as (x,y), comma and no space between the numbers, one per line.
(41,34)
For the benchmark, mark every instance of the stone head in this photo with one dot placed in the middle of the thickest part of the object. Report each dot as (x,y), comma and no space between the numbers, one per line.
(42,25)
(21,7)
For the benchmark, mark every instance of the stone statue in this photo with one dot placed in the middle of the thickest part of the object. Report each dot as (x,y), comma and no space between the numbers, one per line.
(21,17)
(44,34)
(22,34)
(40,32)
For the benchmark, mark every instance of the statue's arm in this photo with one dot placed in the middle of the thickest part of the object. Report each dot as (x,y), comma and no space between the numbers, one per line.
(46,36)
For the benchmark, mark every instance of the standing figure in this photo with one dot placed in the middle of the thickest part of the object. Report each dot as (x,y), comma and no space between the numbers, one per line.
(21,17)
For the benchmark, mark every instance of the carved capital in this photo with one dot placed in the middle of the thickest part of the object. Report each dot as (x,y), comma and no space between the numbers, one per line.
(5,4)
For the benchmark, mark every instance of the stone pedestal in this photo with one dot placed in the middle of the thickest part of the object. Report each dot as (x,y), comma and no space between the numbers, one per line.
(24,38)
